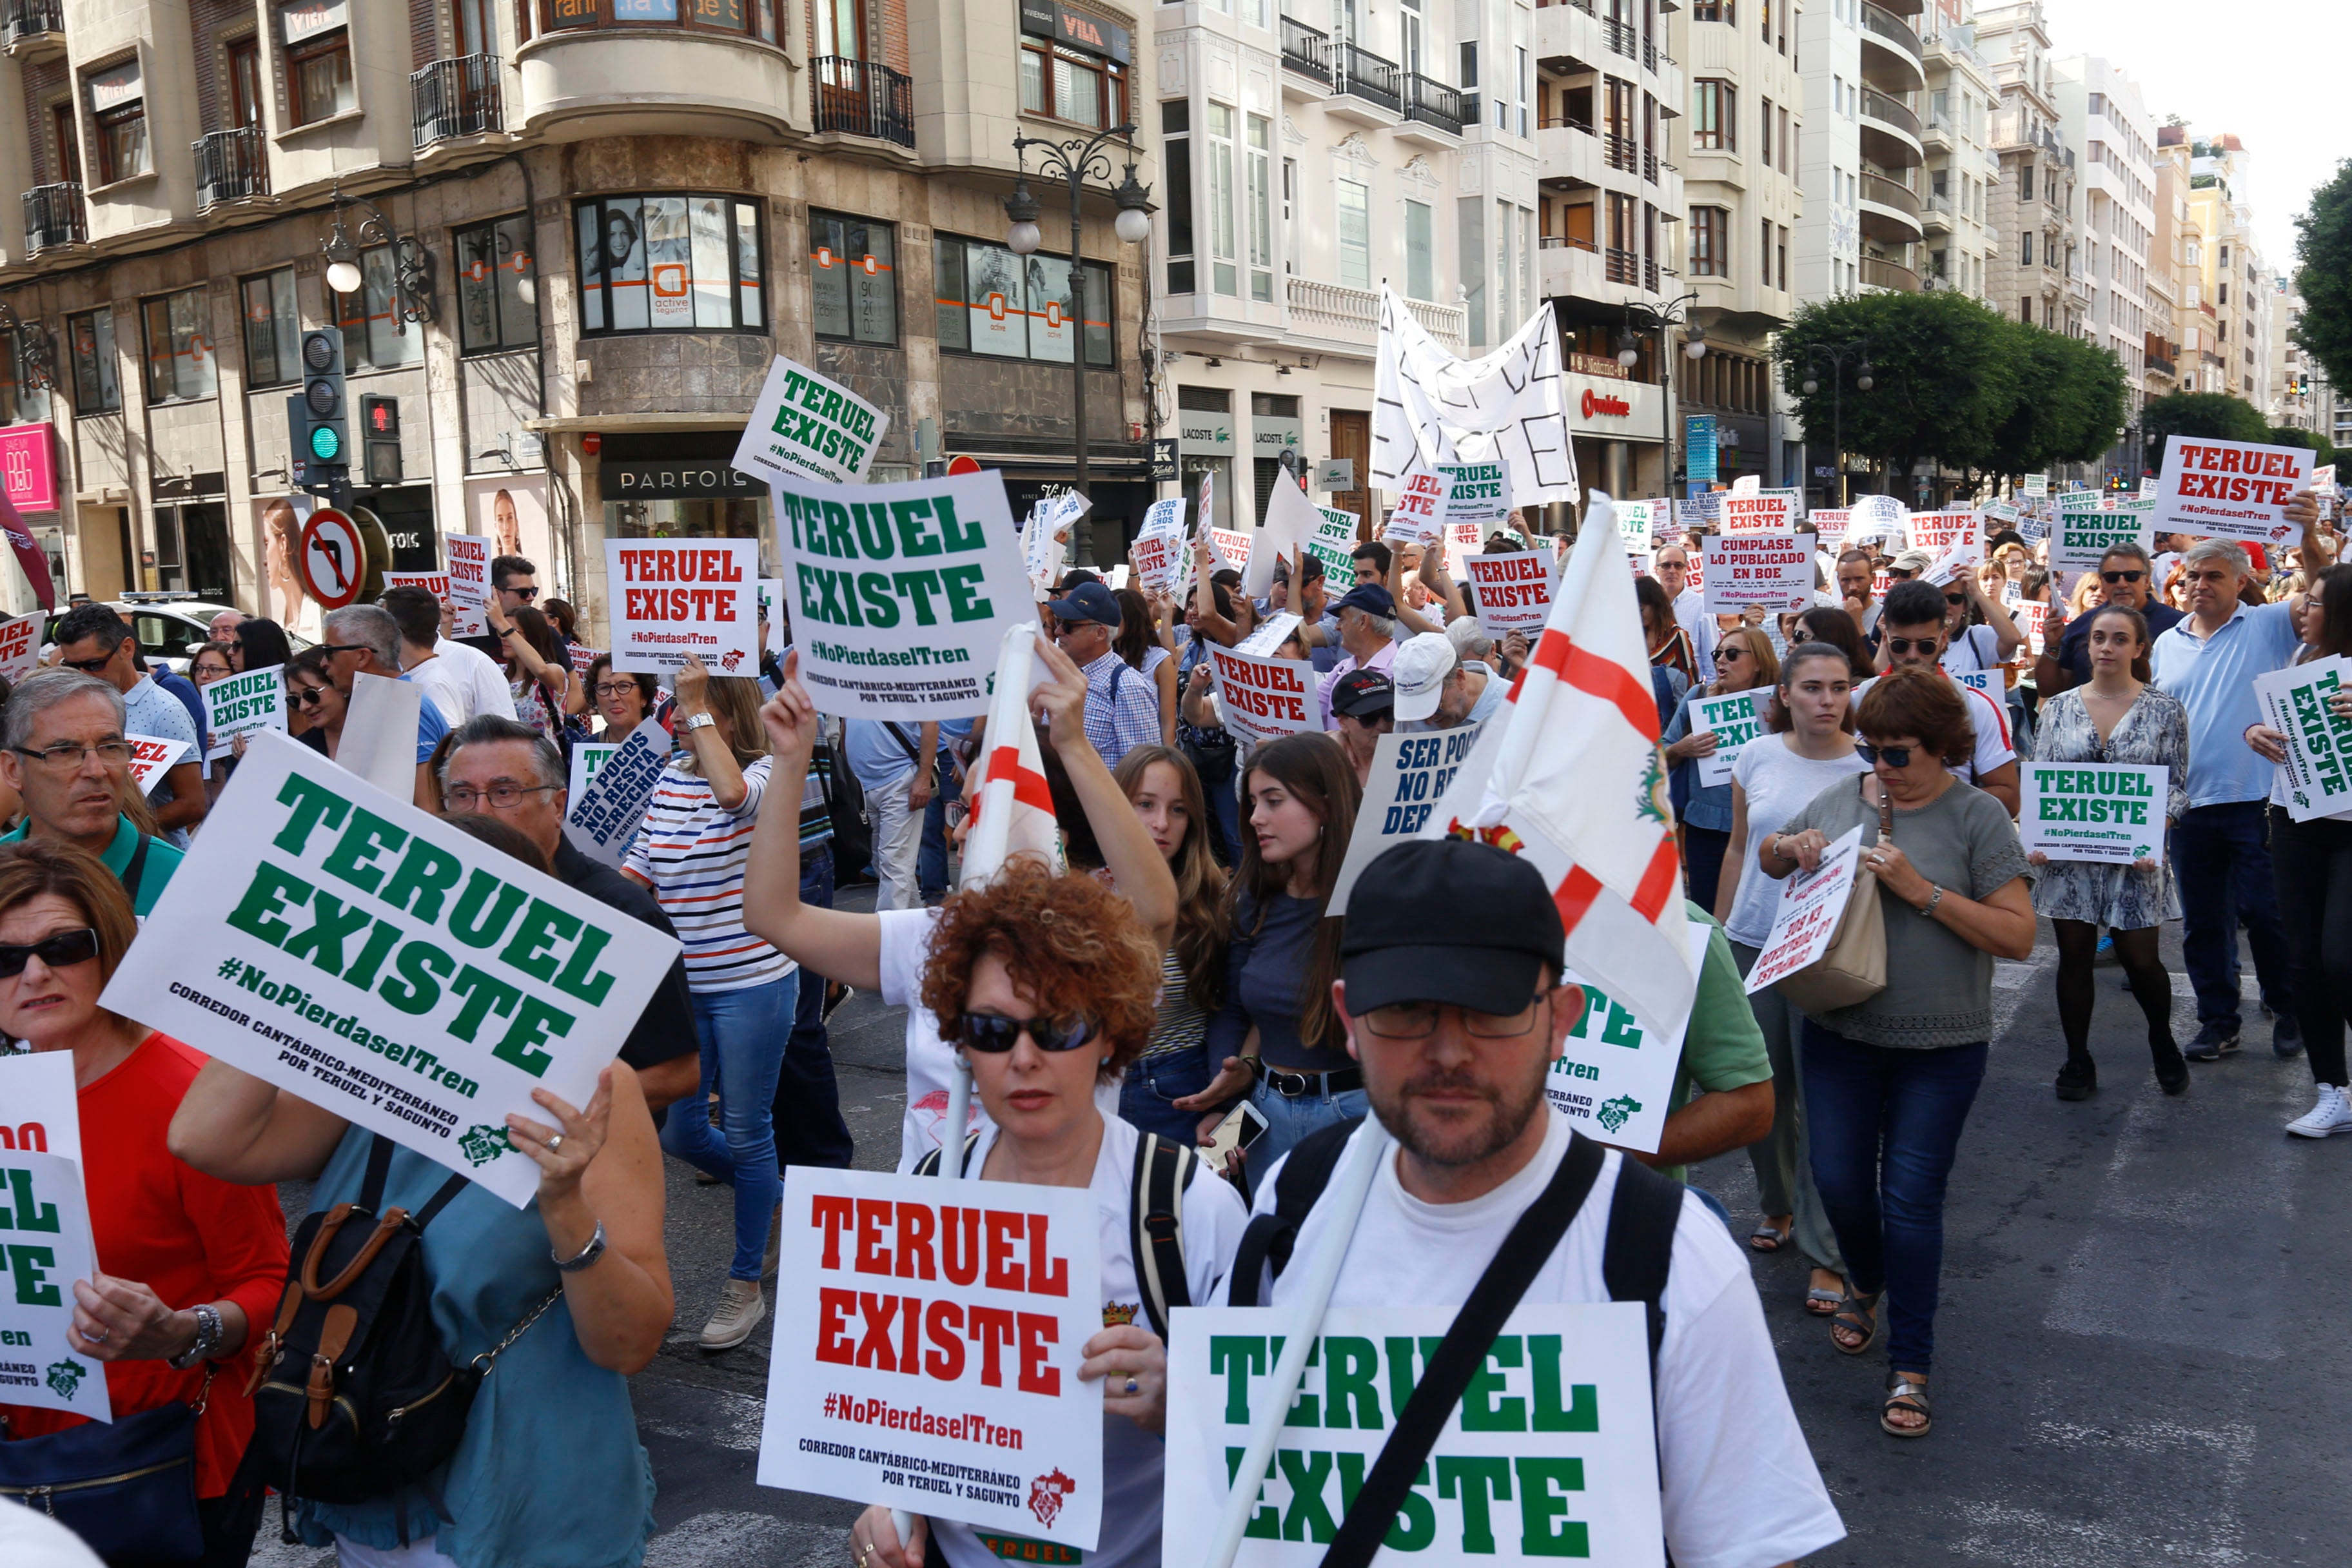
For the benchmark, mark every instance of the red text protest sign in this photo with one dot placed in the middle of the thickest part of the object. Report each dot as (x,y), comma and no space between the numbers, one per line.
(1765,512)
(1768,571)
(1415,516)
(1812,905)
(20,646)
(1513,591)
(1261,698)
(2229,490)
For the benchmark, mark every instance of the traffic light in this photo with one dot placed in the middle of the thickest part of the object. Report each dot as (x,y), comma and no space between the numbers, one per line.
(379,433)
(324,440)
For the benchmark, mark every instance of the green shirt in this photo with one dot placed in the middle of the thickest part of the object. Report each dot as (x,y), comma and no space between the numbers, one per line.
(153,878)
(1723,1049)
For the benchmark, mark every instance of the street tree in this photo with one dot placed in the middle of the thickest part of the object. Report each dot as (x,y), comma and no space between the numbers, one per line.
(1945,376)
(2214,415)
(2070,404)
(2323,449)
(2324,246)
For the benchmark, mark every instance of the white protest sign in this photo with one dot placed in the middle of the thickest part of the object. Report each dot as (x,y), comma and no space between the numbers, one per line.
(1271,633)
(240,704)
(40,1108)
(2037,484)
(45,1232)
(150,759)
(1767,512)
(370,958)
(379,739)
(1746,484)
(1477,500)
(1636,524)
(1231,547)
(805,427)
(927,1350)
(1513,591)
(1736,719)
(1949,566)
(770,603)
(1551,1454)
(1261,698)
(20,647)
(2089,524)
(1415,517)
(1410,773)
(1333,542)
(603,811)
(675,597)
(2295,703)
(1829,525)
(1942,532)
(1878,517)
(1811,904)
(1704,509)
(1769,571)
(588,759)
(2230,490)
(2108,811)
(1156,559)
(1614,1078)
(465,621)
(469,583)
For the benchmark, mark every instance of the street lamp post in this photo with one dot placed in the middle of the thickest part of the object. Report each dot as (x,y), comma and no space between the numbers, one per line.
(1071,161)
(1836,355)
(1661,318)
(412,264)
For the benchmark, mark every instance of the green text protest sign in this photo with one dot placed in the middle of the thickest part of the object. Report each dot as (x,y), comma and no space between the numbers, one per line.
(2298,703)
(44,1246)
(806,427)
(241,704)
(2109,813)
(1736,721)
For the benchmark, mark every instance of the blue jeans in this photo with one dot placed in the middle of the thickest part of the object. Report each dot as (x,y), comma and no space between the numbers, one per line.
(743,1034)
(1287,1119)
(807,1110)
(2222,856)
(1153,1081)
(1886,1127)
(931,859)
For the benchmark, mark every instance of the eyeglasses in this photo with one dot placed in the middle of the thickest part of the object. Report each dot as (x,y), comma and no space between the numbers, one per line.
(308,696)
(62,951)
(987,1031)
(1895,756)
(525,595)
(1418,1021)
(69,755)
(1926,645)
(335,648)
(616,687)
(1735,651)
(504,794)
(2121,576)
(87,665)
(1062,628)
(1959,599)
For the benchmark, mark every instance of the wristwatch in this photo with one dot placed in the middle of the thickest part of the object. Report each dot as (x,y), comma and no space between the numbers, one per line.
(699,722)
(208,1338)
(587,1255)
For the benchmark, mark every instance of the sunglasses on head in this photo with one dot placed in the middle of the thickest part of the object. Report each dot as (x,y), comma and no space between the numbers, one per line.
(1913,644)
(2121,576)
(987,1031)
(61,951)
(1895,756)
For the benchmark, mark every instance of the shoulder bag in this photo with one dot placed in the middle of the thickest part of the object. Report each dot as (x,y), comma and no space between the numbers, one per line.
(128,1490)
(1854,970)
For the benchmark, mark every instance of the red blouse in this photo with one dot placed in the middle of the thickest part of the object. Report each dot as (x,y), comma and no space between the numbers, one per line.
(188,1236)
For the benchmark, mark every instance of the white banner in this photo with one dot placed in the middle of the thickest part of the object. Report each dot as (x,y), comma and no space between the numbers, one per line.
(605,808)
(2089,524)
(2109,812)
(2296,702)
(1551,1454)
(1806,919)
(1767,512)
(1513,591)
(2230,490)
(241,704)
(44,1233)
(20,647)
(1774,570)
(675,597)
(152,758)
(1614,1078)
(1736,721)
(927,1350)
(375,960)
(1410,773)
(1261,698)
(1511,406)
(469,583)
(805,427)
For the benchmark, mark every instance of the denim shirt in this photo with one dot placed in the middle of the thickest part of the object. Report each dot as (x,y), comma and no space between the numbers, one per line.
(1710,806)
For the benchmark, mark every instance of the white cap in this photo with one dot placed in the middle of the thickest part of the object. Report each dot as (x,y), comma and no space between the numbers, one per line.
(1419,670)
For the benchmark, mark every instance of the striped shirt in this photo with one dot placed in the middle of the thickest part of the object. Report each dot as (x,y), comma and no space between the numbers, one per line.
(693,851)
(816,809)
(1122,709)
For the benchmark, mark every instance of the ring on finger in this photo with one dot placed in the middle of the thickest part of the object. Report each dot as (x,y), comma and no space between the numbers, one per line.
(554,1141)
(1131,1386)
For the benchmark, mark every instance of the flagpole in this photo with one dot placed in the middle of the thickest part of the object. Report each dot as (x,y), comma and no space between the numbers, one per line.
(1351,1185)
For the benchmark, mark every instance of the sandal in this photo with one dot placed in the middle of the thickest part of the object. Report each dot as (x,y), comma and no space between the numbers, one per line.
(1856,1312)
(1769,1238)
(1906,1394)
(1823,1303)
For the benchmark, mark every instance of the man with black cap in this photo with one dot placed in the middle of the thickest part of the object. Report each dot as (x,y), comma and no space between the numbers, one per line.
(1366,635)
(1363,703)
(1451,994)
(1122,705)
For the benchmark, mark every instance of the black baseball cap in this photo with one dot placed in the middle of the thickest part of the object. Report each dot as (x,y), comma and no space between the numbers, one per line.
(1362,693)
(1451,920)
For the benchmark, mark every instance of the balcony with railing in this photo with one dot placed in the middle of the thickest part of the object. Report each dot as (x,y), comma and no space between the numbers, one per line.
(1434,104)
(1622,153)
(1305,51)
(231,166)
(1889,210)
(1368,79)
(1620,37)
(601,75)
(32,29)
(861,98)
(1890,131)
(54,216)
(1334,314)
(1877,272)
(1891,56)
(462,96)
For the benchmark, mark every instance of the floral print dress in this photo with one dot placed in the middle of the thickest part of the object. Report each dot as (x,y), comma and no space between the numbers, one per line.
(2153,733)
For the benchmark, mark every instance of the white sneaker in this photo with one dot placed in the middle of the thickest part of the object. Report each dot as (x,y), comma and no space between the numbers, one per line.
(741,1308)
(2333,1114)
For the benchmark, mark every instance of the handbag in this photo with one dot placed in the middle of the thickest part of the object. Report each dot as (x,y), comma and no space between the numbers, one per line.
(128,1490)
(1854,968)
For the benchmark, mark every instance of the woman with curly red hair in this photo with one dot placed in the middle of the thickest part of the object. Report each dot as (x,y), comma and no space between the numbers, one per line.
(1048,986)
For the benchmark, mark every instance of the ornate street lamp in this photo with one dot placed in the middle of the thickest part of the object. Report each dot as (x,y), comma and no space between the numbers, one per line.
(412,264)
(1661,319)
(1836,355)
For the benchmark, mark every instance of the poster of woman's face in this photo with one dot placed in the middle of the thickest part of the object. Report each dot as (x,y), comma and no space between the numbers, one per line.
(280,519)
(511,511)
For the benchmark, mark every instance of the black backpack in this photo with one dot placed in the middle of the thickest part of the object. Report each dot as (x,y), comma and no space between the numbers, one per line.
(1163,1170)
(353,1394)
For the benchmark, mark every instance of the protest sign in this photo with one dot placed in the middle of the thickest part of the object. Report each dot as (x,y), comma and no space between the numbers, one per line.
(1614,1076)
(45,1234)
(2230,490)
(1878,517)
(240,704)
(466,621)
(1942,532)
(372,959)
(583,659)
(675,597)
(1261,698)
(603,809)
(1271,633)
(1736,721)
(1811,904)
(1636,520)
(1232,549)
(2037,484)
(20,647)
(588,759)
(469,584)
(1156,558)
(1410,773)
(1773,571)
(1509,406)
(2029,618)
(1767,512)
(1704,509)
(1333,542)
(2033,522)
(1550,1454)
(879,639)
(379,733)
(150,759)
(927,1350)
(2088,524)
(1513,591)
(1829,525)
(1415,516)
(805,427)
(2111,813)
(40,1107)
(1477,498)
(771,602)
(2295,701)
(1999,514)
(434,582)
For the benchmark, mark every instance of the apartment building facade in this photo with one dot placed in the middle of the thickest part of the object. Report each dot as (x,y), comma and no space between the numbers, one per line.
(2227,265)
(590,225)
(2034,276)
(1961,168)
(1866,79)
(2105,120)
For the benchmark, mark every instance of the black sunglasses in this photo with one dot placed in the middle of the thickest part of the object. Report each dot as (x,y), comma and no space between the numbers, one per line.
(1895,756)
(63,951)
(336,647)
(1961,599)
(87,665)
(1908,645)
(525,595)
(2121,576)
(987,1031)
(308,696)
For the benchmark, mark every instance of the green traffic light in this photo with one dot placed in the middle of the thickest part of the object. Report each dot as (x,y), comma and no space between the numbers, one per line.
(325,444)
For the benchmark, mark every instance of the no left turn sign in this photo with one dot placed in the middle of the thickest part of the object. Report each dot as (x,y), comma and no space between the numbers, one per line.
(333,563)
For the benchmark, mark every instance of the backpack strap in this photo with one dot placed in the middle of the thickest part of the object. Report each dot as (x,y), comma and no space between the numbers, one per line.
(1639,1248)
(1267,1244)
(379,1169)
(1163,1170)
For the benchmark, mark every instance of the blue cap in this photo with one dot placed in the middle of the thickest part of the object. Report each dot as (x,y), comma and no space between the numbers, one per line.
(1371,598)
(1088,602)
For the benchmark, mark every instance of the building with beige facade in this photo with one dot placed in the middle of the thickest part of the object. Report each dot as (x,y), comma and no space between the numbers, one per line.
(1961,167)
(2226,267)
(2108,123)
(2034,277)
(616,213)
(1865,77)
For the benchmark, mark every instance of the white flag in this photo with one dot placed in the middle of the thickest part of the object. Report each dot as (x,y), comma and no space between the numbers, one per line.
(1430,406)
(1012,809)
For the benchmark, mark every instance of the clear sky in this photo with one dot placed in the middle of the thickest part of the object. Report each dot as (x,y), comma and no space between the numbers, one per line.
(2269,70)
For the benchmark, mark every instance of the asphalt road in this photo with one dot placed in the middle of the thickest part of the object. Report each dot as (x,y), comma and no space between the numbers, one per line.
(2137,1350)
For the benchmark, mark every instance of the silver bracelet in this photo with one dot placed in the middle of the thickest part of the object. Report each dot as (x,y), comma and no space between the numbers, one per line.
(1935,897)
(587,1255)
(209,1333)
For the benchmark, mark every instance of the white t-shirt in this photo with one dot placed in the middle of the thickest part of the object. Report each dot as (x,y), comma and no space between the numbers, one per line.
(1976,648)
(1738,1487)
(1779,784)
(445,685)
(931,1060)
(1134,1460)
(1990,722)
(1690,614)
(483,678)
